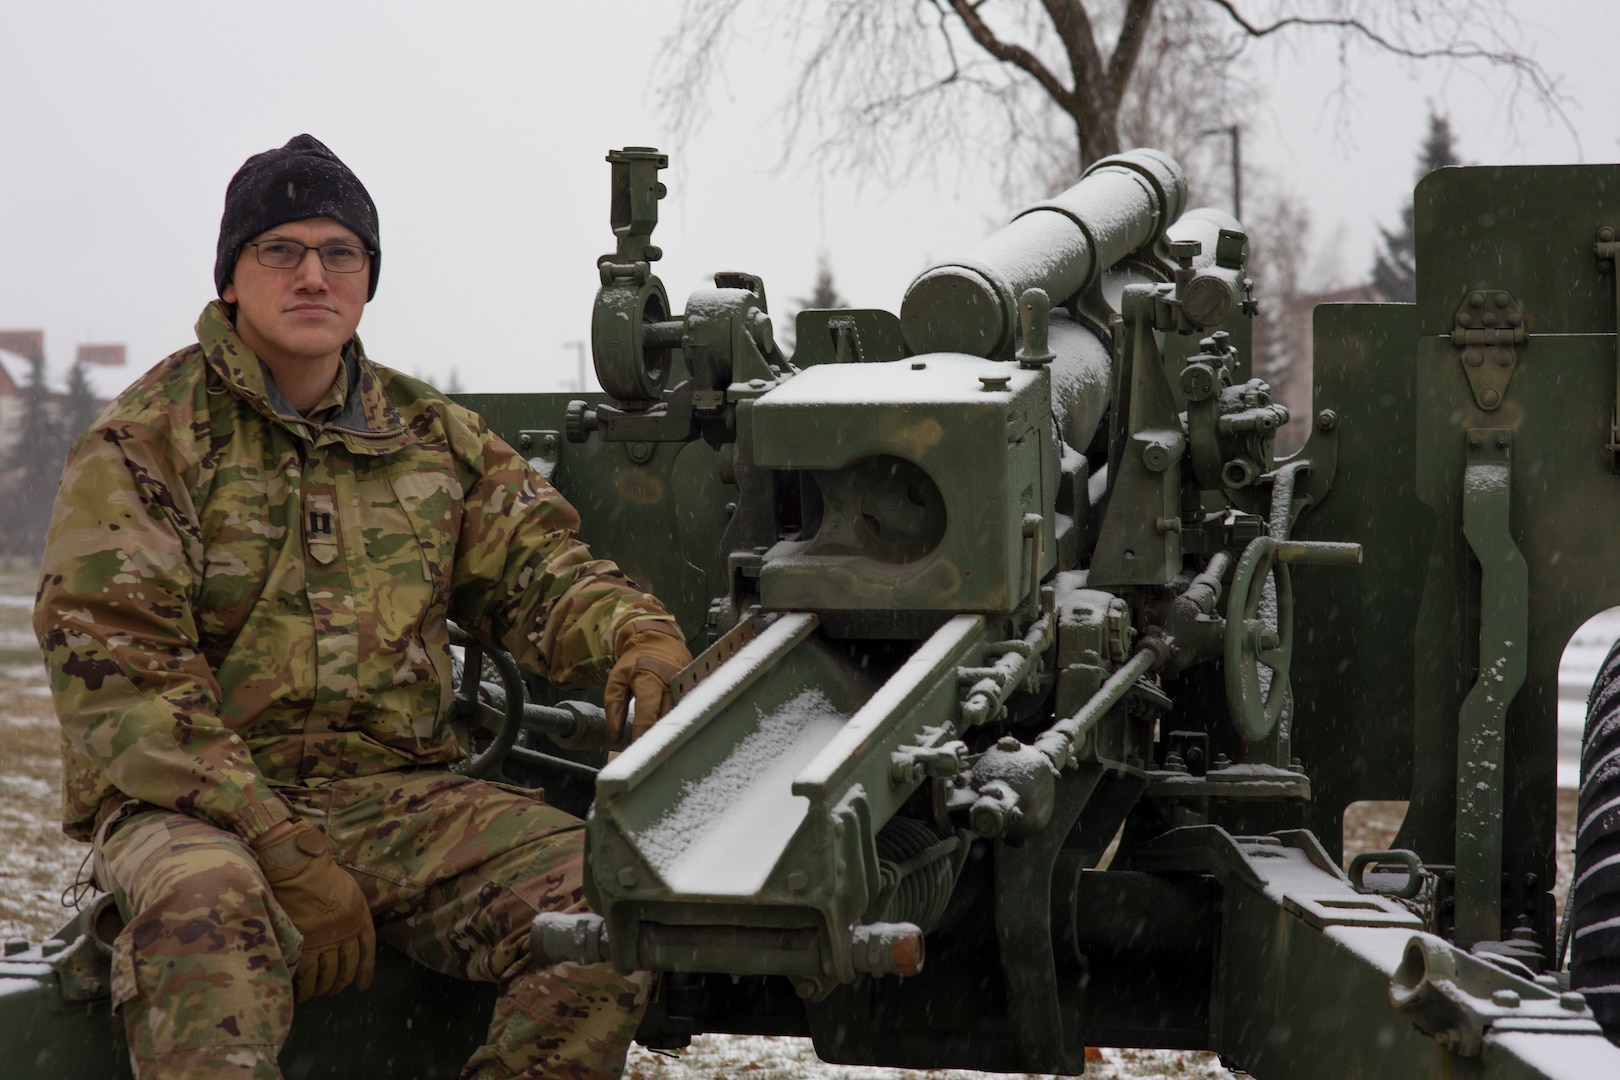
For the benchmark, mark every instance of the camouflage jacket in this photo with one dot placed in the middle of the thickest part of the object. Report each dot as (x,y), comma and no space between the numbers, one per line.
(235,597)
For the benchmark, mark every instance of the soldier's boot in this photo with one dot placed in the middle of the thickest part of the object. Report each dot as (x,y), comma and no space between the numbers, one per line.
(567,1022)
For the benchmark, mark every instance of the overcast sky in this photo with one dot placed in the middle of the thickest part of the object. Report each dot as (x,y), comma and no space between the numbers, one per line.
(480,130)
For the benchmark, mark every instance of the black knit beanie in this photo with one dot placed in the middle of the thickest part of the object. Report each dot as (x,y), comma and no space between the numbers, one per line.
(301,180)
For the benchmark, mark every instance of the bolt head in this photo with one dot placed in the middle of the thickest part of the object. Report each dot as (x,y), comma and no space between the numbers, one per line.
(1198,383)
(1573,1000)
(1505,998)
(1185,249)
(1490,397)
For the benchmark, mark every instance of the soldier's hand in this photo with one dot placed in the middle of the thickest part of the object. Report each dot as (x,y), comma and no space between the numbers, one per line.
(650,655)
(327,906)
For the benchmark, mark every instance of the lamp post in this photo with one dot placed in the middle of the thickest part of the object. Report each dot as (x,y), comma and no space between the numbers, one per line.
(1235,133)
(579,348)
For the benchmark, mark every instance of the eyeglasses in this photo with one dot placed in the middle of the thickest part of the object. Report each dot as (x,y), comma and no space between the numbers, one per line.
(288,254)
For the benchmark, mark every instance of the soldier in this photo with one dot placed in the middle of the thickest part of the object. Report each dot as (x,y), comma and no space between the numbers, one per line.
(251,561)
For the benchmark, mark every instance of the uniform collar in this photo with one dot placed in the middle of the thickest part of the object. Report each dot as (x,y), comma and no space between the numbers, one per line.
(354,410)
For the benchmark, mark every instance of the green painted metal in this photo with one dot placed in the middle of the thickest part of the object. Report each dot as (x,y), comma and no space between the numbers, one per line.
(1121,206)
(1526,231)
(1607,251)
(1318,979)
(982,593)
(913,520)
(1482,721)
(745,818)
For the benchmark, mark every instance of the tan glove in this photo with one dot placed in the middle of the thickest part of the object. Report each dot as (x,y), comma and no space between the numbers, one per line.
(327,906)
(650,654)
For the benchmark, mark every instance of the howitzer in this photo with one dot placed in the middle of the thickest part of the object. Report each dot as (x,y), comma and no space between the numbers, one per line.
(1035,683)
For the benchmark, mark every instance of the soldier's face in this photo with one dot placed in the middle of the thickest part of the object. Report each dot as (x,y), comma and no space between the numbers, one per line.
(306,313)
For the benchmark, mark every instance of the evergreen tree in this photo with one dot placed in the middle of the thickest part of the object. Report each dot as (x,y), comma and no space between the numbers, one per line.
(34,468)
(1394,272)
(825,294)
(80,409)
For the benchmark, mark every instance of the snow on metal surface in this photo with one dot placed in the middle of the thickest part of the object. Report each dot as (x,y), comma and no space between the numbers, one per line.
(945,378)
(926,663)
(1570,1057)
(694,709)
(1486,479)
(1380,947)
(727,829)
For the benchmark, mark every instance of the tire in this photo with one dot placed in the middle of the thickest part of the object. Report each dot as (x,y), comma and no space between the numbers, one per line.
(1594,896)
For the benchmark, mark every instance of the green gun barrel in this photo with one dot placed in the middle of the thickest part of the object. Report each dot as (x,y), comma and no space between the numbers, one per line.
(970,305)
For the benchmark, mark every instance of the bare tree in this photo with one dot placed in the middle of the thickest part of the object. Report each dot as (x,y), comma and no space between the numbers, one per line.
(884,79)
(1043,88)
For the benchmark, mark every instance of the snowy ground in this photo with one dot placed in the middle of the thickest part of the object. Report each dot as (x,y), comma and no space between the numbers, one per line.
(1582,658)
(750,1057)
(37,864)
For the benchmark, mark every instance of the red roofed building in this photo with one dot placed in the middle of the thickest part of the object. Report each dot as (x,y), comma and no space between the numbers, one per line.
(103,366)
(102,355)
(17,349)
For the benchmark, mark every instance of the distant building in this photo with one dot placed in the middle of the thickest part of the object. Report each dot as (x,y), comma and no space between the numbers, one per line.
(13,372)
(105,367)
(9,362)
(102,355)
(27,344)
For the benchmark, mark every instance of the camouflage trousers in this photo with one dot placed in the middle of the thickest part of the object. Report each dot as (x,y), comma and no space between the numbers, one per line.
(454,870)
